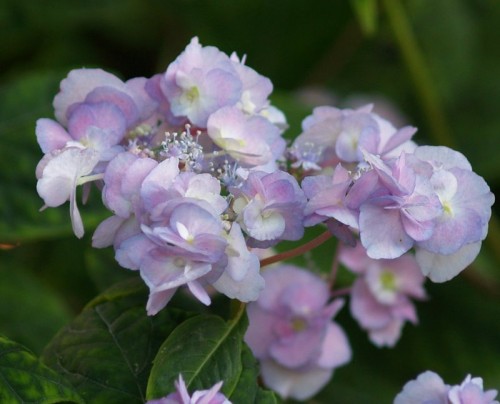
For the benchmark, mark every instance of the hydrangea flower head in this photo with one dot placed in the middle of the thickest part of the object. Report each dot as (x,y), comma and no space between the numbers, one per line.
(429,387)
(381,295)
(181,395)
(463,223)
(199,82)
(270,208)
(291,332)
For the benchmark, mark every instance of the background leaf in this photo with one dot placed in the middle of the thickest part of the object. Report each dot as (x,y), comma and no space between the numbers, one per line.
(205,350)
(106,351)
(24,379)
(34,321)
(367,13)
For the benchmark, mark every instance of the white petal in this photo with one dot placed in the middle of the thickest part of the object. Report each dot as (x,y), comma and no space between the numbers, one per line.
(442,268)
(292,383)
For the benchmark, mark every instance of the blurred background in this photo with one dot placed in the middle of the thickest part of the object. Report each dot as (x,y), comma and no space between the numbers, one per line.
(435,65)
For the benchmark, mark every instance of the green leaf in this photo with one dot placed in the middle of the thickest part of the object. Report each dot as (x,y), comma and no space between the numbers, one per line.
(205,350)
(30,312)
(247,390)
(266,397)
(366,11)
(24,379)
(106,352)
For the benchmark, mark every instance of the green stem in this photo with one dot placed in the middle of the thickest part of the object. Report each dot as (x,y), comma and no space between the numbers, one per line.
(425,88)
(426,91)
(297,251)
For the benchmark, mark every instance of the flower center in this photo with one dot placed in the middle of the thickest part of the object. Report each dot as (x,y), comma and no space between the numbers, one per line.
(388,281)
(298,324)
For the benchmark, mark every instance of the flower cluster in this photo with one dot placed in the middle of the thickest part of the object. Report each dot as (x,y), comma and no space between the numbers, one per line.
(193,167)
(181,395)
(380,296)
(396,195)
(291,333)
(187,164)
(428,387)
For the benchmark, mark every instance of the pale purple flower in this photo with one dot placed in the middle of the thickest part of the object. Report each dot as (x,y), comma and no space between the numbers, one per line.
(381,295)
(199,82)
(250,140)
(98,126)
(291,332)
(241,278)
(463,223)
(402,211)
(270,208)
(186,247)
(181,395)
(331,135)
(429,388)
(471,392)
(95,86)
(123,180)
(59,173)
(255,87)
(327,198)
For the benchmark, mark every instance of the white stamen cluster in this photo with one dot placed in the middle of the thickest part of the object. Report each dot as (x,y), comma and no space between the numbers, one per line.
(184,146)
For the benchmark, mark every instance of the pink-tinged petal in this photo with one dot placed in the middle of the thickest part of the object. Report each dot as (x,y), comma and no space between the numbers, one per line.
(77,85)
(224,86)
(427,388)
(260,338)
(119,99)
(158,300)
(145,103)
(354,258)
(113,178)
(262,225)
(61,173)
(297,350)
(51,135)
(158,181)
(241,278)
(335,350)
(133,177)
(388,335)
(105,232)
(199,292)
(443,157)
(362,189)
(397,139)
(131,252)
(289,383)
(55,190)
(417,230)
(287,276)
(86,118)
(245,290)
(76,219)
(366,309)
(441,268)
(382,233)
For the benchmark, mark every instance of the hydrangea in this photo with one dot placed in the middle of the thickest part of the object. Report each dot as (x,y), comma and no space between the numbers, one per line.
(269,208)
(181,395)
(291,333)
(395,195)
(381,295)
(429,387)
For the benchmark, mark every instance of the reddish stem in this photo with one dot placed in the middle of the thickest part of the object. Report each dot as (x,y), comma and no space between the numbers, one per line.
(297,251)
(340,292)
